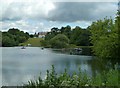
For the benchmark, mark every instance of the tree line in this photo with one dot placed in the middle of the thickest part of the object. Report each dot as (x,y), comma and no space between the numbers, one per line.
(63,37)
(103,35)
(13,37)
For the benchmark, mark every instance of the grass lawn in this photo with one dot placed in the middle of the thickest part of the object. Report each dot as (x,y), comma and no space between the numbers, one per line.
(35,42)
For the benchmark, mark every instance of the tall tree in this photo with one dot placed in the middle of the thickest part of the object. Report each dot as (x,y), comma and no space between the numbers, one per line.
(13,31)
(67,31)
(104,37)
(13,37)
(80,36)
(62,30)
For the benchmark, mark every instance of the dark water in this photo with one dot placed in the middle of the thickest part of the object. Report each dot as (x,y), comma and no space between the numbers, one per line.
(20,65)
(84,51)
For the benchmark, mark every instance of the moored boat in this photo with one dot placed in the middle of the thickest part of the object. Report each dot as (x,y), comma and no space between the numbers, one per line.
(23,47)
(78,49)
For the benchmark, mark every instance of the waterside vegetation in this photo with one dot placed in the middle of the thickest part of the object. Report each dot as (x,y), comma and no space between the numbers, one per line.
(13,37)
(53,80)
(103,35)
(74,37)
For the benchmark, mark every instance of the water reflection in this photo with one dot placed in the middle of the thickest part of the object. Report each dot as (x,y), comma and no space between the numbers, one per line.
(19,66)
(76,51)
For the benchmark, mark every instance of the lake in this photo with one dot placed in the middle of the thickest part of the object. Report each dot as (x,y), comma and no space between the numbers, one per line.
(21,65)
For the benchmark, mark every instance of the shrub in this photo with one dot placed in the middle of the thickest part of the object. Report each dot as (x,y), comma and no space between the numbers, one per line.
(59,41)
(109,78)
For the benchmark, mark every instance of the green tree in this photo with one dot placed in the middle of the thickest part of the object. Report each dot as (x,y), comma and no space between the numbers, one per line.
(13,37)
(62,30)
(6,41)
(67,31)
(80,36)
(13,31)
(0,38)
(21,39)
(54,31)
(104,37)
(31,35)
(49,35)
(59,41)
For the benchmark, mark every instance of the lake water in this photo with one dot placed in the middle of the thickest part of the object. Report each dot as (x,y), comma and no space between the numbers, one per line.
(20,65)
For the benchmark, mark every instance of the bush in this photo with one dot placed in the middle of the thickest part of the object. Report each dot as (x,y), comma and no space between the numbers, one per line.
(59,41)
(58,44)
(109,78)
(105,39)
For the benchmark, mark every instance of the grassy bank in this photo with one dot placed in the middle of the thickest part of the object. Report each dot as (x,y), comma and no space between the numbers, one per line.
(53,80)
(35,42)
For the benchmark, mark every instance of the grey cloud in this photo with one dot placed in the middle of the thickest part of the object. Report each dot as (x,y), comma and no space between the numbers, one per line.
(13,12)
(84,11)
(63,12)
(25,10)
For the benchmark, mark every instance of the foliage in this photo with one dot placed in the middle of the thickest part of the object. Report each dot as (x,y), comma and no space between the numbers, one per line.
(49,35)
(67,31)
(0,38)
(13,37)
(77,36)
(80,37)
(31,35)
(45,43)
(54,31)
(62,30)
(59,41)
(6,41)
(104,37)
(105,79)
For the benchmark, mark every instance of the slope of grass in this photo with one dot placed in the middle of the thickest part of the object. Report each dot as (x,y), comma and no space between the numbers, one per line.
(35,42)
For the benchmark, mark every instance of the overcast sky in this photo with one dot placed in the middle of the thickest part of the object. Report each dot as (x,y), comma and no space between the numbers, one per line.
(41,15)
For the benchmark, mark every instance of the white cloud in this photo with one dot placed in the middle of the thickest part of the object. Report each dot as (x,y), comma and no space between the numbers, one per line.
(26,30)
(46,10)
(22,22)
(38,9)
(84,0)
(52,21)
(84,23)
(19,13)
(108,9)
(46,29)
(24,26)
(41,24)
